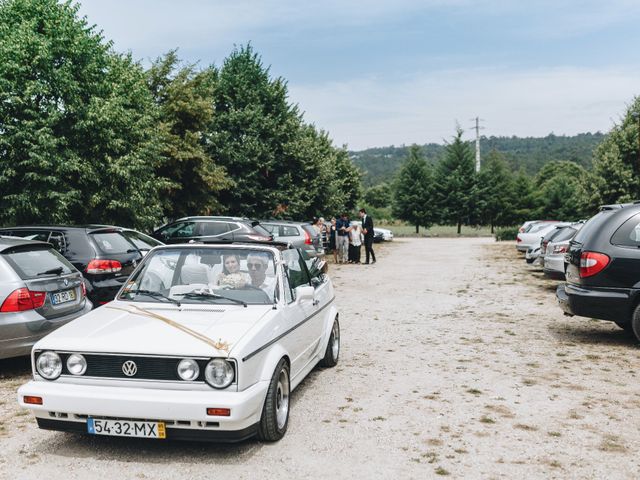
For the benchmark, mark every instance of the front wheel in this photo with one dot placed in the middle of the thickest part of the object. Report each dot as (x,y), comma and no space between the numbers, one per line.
(332,352)
(635,322)
(275,412)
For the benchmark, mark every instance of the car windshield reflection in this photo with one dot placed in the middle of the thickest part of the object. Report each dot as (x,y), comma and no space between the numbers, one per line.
(215,275)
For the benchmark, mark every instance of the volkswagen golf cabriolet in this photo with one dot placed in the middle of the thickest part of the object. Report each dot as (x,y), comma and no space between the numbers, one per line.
(203,341)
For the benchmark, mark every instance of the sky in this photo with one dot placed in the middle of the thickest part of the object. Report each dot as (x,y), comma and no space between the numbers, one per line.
(377,73)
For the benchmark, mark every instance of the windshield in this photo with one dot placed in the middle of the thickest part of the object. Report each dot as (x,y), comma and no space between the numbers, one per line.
(207,275)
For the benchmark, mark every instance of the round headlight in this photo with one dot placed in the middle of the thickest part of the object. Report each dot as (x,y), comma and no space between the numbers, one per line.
(76,364)
(49,365)
(219,373)
(188,369)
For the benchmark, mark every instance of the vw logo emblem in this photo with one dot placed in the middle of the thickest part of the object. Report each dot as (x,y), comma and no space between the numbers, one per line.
(66,282)
(129,368)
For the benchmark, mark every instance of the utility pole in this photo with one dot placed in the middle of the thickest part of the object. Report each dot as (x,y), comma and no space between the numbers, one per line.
(478,128)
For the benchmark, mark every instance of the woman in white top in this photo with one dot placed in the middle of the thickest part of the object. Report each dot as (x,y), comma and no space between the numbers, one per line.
(355,243)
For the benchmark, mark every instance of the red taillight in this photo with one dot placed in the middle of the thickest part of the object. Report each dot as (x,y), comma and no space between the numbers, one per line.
(83,288)
(104,266)
(518,239)
(307,238)
(592,263)
(560,249)
(23,299)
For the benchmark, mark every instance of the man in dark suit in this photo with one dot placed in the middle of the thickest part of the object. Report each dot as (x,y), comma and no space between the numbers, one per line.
(367,229)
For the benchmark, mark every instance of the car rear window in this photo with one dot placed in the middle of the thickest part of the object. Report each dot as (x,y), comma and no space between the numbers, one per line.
(289,231)
(35,262)
(628,234)
(564,234)
(112,242)
(593,224)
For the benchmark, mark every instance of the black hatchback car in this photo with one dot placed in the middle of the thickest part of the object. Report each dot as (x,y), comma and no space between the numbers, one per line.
(223,229)
(104,255)
(603,268)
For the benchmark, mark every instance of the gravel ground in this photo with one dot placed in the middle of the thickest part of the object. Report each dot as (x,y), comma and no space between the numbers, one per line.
(455,361)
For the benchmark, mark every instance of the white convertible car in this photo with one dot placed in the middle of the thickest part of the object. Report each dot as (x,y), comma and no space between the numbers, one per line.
(202,342)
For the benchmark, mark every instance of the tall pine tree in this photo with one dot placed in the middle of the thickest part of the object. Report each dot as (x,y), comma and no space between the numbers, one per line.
(413,189)
(456,183)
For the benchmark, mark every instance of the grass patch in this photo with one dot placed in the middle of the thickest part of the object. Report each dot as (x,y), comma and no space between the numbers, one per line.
(527,428)
(474,391)
(404,230)
(554,434)
(611,443)
(486,419)
(442,471)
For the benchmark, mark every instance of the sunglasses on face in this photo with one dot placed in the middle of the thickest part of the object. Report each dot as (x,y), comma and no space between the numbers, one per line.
(254,266)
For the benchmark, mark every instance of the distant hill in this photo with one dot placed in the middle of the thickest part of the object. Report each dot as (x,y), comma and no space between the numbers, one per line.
(380,164)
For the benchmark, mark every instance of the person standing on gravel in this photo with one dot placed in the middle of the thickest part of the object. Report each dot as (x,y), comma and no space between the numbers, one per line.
(342,237)
(367,229)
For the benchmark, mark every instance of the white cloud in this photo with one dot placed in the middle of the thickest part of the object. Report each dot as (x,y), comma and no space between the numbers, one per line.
(368,112)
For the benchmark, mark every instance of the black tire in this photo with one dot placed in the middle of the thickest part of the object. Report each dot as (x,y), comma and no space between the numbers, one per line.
(635,322)
(270,429)
(332,354)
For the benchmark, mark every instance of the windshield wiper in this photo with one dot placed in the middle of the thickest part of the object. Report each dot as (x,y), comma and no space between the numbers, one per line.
(213,295)
(152,293)
(51,271)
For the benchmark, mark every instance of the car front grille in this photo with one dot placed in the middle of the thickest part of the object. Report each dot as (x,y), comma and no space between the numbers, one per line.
(147,367)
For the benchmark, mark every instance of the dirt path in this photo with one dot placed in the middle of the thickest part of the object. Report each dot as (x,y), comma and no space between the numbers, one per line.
(456,360)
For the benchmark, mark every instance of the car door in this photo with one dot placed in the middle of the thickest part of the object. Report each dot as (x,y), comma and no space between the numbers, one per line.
(305,338)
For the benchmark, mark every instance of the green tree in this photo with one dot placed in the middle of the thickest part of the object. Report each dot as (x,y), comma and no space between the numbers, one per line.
(560,188)
(616,172)
(413,186)
(456,183)
(378,196)
(255,135)
(495,186)
(77,137)
(185,99)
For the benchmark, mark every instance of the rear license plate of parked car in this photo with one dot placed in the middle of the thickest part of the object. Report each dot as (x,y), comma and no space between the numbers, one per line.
(63,297)
(125,428)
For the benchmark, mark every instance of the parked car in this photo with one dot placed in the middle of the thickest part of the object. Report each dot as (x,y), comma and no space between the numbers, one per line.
(379,234)
(526,224)
(223,229)
(554,248)
(603,269)
(382,235)
(102,253)
(299,234)
(39,292)
(177,356)
(535,254)
(533,234)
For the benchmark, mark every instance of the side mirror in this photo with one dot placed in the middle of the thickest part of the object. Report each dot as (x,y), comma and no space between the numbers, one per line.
(304,292)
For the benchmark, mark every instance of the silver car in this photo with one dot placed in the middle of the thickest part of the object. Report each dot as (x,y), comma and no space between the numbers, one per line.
(298,234)
(555,249)
(39,292)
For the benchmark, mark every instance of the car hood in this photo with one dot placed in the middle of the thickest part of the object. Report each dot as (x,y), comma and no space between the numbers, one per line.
(194,330)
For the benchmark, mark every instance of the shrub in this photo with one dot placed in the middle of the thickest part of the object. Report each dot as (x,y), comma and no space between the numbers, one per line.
(506,233)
